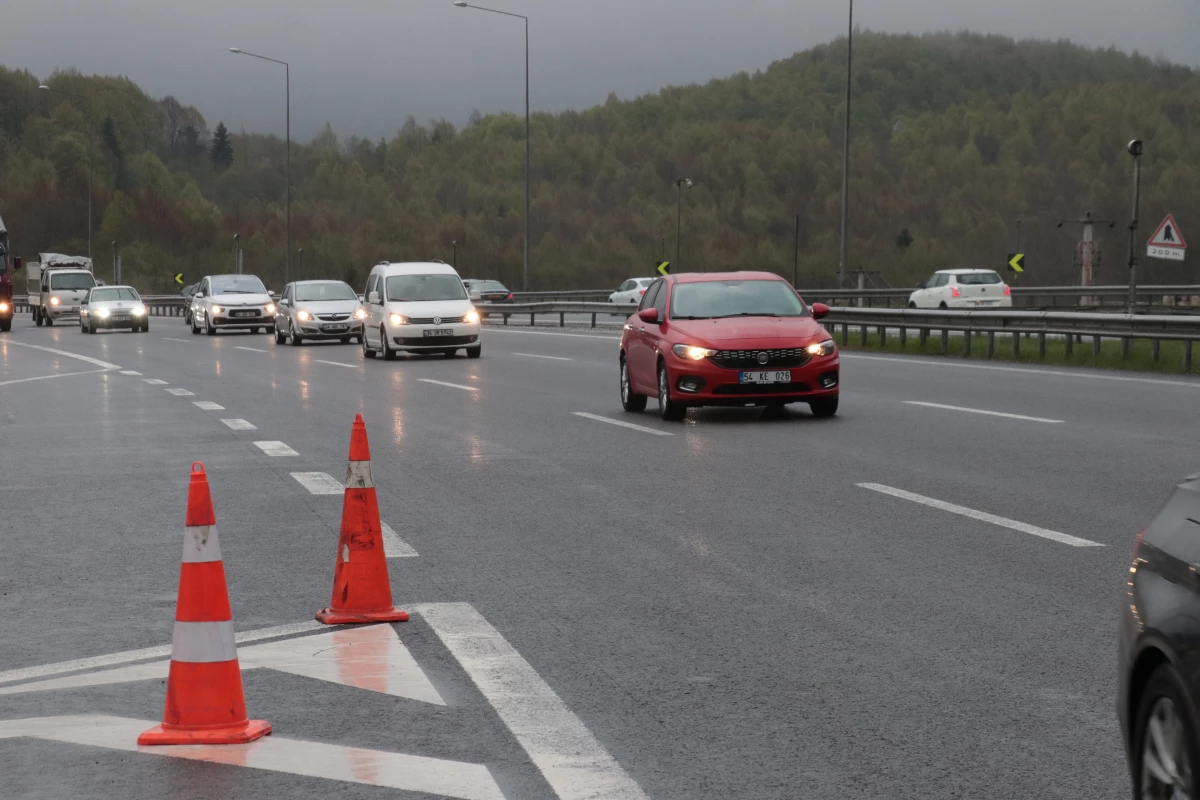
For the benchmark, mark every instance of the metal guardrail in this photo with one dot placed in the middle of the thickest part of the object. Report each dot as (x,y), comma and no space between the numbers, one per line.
(169,305)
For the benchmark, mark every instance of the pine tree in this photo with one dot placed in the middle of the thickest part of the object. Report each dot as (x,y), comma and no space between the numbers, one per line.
(221,152)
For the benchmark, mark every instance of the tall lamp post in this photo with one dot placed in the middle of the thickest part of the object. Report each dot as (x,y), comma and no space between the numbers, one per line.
(846,152)
(1135,149)
(464,4)
(91,147)
(679,184)
(287,75)
(454,258)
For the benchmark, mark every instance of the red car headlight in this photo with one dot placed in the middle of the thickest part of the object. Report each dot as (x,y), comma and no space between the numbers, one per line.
(692,353)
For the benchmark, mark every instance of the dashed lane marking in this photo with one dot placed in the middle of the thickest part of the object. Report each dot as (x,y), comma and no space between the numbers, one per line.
(251,349)
(88,359)
(181,392)
(548,358)
(451,385)
(393,545)
(239,425)
(130,372)
(552,333)
(275,449)
(336,363)
(208,405)
(620,423)
(570,758)
(1059,373)
(982,516)
(154,381)
(319,482)
(51,377)
(983,411)
(170,339)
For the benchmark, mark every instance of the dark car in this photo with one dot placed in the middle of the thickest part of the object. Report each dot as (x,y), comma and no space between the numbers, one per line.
(1160,651)
(187,293)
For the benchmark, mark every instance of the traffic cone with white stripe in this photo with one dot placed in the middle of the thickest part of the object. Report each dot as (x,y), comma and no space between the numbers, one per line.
(362,591)
(205,703)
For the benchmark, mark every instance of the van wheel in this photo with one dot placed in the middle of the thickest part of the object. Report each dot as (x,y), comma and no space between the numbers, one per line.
(37,317)
(388,353)
(49,320)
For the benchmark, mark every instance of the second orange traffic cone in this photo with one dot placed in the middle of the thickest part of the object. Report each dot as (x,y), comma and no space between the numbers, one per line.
(205,703)
(362,591)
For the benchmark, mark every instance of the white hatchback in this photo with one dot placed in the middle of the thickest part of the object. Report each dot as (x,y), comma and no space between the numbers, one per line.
(419,308)
(630,292)
(962,288)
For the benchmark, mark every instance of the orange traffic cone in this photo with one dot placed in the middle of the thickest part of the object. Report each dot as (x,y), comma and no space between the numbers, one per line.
(205,703)
(362,591)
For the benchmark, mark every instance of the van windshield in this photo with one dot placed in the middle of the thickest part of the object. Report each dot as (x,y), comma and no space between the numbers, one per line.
(424,288)
(72,280)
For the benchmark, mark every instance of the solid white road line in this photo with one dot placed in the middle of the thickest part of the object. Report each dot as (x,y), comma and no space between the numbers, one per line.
(275,449)
(49,377)
(552,333)
(451,385)
(181,392)
(982,516)
(629,425)
(93,361)
(550,358)
(169,339)
(129,656)
(130,372)
(238,425)
(393,545)
(336,363)
(251,349)
(319,482)
(981,411)
(938,362)
(154,381)
(207,405)
(573,762)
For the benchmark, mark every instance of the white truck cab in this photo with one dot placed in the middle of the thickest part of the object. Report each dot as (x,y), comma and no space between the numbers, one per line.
(58,285)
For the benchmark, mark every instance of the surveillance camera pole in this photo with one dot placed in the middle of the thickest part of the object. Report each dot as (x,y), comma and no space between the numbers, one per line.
(1135,149)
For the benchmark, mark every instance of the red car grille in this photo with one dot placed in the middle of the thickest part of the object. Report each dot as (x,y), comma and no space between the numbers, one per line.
(749,359)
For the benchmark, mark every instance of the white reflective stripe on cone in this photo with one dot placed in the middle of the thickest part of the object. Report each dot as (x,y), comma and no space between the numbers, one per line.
(201,545)
(203,642)
(358,475)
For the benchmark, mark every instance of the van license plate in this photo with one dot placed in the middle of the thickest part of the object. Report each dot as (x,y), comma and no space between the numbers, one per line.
(438,332)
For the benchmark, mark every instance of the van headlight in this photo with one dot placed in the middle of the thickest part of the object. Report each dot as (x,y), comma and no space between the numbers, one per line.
(398,319)
(824,348)
(471,317)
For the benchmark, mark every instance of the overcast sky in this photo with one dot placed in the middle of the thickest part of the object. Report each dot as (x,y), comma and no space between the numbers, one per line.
(365,64)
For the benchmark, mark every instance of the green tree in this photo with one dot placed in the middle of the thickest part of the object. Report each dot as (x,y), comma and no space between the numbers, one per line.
(221,151)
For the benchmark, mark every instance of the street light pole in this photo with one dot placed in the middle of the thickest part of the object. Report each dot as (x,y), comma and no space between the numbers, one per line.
(463,4)
(1135,149)
(846,152)
(454,258)
(287,75)
(679,184)
(91,148)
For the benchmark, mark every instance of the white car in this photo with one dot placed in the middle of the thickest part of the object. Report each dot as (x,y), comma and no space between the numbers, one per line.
(962,288)
(113,307)
(630,292)
(232,302)
(419,307)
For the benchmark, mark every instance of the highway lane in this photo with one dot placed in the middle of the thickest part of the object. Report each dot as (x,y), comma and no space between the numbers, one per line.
(724,608)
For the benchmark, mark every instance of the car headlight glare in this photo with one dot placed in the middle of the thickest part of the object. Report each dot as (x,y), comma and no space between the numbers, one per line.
(138,311)
(398,319)
(217,309)
(471,316)
(692,353)
(360,313)
(303,315)
(103,313)
(53,301)
(824,348)
(270,308)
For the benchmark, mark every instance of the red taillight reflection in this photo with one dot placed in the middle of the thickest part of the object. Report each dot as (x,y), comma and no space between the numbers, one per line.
(955,291)
(1007,290)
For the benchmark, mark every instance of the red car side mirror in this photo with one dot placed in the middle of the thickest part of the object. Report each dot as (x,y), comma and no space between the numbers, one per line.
(648,315)
(820,310)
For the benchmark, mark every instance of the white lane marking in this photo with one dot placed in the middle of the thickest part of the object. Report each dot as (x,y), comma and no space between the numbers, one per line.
(451,385)
(935,362)
(130,372)
(629,425)
(550,358)
(94,361)
(319,482)
(420,774)
(552,333)
(570,758)
(50,377)
(982,516)
(207,405)
(169,339)
(371,658)
(129,656)
(336,363)
(275,449)
(154,381)
(982,411)
(251,349)
(393,545)
(239,425)
(181,392)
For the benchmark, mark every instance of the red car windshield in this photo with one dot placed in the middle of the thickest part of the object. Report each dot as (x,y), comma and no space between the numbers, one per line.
(735,298)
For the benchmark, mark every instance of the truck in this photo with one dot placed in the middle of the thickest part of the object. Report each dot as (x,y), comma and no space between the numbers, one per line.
(57,284)
(7,267)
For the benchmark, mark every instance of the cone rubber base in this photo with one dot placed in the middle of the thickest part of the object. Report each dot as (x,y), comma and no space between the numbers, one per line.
(237,734)
(331,617)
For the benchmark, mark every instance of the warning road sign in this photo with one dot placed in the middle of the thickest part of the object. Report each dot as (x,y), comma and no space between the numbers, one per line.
(1167,242)
(664,268)
(1016,262)
(179,278)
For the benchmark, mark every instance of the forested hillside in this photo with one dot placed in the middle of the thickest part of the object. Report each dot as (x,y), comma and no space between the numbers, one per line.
(956,137)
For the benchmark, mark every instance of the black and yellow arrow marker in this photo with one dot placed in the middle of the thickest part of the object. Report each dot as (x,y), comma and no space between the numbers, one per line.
(664,268)
(1016,262)
(179,278)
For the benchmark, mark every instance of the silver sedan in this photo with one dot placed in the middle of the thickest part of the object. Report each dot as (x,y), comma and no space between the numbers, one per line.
(318,310)
(113,307)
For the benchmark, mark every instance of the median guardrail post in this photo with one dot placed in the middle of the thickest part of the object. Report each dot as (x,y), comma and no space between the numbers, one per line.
(1042,344)
(991,347)
(1187,356)
(945,341)
(967,342)
(1095,347)
(1154,350)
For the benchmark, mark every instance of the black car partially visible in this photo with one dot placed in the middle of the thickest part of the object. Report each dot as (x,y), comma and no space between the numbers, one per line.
(1159,681)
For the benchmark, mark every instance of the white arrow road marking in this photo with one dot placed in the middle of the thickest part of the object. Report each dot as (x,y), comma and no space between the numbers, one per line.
(276,754)
(570,758)
(371,658)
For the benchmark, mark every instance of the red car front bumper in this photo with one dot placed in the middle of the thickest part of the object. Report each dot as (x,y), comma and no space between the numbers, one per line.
(703,383)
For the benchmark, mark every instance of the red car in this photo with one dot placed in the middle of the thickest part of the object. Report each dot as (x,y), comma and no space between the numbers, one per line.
(732,338)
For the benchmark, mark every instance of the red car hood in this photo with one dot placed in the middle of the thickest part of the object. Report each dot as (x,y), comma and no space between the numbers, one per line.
(717,333)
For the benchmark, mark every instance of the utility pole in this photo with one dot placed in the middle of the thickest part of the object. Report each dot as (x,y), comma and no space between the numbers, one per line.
(679,184)
(846,152)
(1018,237)
(454,258)
(299,265)
(116,264)
(1135,149)
(237,254)
(796,255)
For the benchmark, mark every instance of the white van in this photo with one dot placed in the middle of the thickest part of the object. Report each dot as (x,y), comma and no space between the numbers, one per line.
(418,308)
